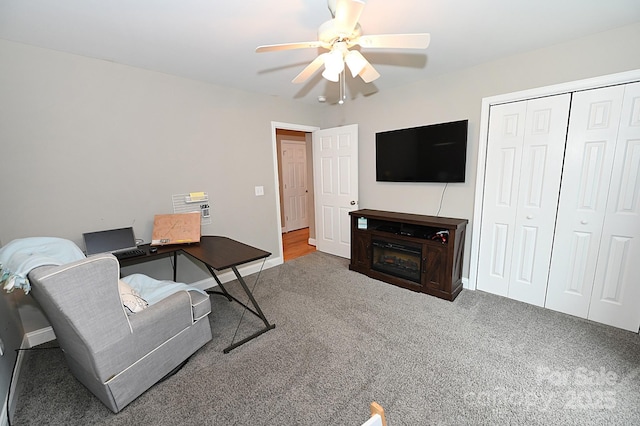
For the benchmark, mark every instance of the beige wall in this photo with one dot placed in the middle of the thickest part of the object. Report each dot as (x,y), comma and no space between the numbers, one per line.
(459,96)
(89,145)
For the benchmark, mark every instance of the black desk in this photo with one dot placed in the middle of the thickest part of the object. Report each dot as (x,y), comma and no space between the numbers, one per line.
(216,253)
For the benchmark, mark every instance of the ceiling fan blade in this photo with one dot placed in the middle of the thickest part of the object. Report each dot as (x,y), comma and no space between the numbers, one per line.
(369,73)
(347,14)
(310,69)
(395,41)
(289,46)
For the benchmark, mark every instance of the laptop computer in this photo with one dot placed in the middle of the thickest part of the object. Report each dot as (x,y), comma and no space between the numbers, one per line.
(115,241)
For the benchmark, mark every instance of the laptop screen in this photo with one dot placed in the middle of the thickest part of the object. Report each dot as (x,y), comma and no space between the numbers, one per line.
(109,241)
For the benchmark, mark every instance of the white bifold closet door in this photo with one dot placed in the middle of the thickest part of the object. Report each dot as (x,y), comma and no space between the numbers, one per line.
(522,183)
(595,266)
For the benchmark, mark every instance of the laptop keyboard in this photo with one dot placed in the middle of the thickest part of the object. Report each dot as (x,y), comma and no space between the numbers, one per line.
(129,253)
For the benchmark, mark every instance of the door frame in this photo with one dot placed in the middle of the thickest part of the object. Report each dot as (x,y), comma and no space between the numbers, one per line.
(573,86)
(276,183)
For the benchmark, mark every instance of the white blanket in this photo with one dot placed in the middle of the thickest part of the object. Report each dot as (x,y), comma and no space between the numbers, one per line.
(20,256)
(153,290)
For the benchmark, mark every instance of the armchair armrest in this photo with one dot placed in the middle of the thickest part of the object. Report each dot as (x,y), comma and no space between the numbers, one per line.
(149,329)
(165,318)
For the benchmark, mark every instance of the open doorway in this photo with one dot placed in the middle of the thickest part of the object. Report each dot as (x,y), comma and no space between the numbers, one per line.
(295,178)
(296,244)
(333,158)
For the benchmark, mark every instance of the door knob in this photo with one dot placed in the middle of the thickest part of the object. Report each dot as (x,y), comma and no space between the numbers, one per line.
(353,203)
(584,222)
(529,217)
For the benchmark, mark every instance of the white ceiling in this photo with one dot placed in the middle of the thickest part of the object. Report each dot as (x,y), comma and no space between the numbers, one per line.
(214,40)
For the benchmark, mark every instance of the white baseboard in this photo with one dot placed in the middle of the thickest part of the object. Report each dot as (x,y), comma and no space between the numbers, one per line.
(465,283)
(46,334)
(4,421)
(230,276)
(312,242)
(40,336)
(11,403)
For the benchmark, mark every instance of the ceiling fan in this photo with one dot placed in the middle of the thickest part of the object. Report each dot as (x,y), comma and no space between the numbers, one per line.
(339,35)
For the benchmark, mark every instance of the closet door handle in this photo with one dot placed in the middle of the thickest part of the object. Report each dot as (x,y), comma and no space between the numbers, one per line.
(529,217)
(584,222)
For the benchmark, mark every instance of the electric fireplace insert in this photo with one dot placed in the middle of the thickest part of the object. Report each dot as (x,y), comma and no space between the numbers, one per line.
(400,259)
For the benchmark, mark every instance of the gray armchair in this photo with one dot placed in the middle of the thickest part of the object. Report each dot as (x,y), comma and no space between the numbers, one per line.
(117,355)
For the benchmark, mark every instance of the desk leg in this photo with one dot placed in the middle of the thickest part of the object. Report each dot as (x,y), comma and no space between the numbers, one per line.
(175,266)
(246,339)
(257,312)
(224,290)
(253,300)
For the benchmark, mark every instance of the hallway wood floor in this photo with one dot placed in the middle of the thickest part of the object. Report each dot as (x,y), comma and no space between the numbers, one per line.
(296,244)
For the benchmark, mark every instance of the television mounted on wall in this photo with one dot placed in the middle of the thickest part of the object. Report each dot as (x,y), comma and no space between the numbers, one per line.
(432,153)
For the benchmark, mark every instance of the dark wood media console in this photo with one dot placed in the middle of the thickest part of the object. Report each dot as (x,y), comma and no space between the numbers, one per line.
(420,253)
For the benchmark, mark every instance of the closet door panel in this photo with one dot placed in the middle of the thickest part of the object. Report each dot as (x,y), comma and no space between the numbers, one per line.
(616,291)
(524,165)
(591,145)
(540,172)
(504,156)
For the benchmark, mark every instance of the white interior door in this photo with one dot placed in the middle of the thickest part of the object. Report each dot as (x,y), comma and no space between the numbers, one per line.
(295,191)
(335,171)
(524,167)
(616,291)
(540,174)
(591,143)
(499,205)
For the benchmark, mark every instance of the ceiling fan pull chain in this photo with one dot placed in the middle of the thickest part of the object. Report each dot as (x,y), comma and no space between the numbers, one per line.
(343,88)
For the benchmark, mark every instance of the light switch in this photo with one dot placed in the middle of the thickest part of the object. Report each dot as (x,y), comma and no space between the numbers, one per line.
(259,190)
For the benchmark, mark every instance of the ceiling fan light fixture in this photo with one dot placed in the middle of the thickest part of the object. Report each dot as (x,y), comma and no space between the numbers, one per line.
(331,76)
(333,65)
(342,33)
(355,61)
(334,62)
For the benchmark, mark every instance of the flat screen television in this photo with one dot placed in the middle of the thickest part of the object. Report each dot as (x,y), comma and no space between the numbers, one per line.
(433,153)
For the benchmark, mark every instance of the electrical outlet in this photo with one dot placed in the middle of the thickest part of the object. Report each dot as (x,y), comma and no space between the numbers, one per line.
(259,190)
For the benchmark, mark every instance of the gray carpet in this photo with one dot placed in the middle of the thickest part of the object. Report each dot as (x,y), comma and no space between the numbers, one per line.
(343,340)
